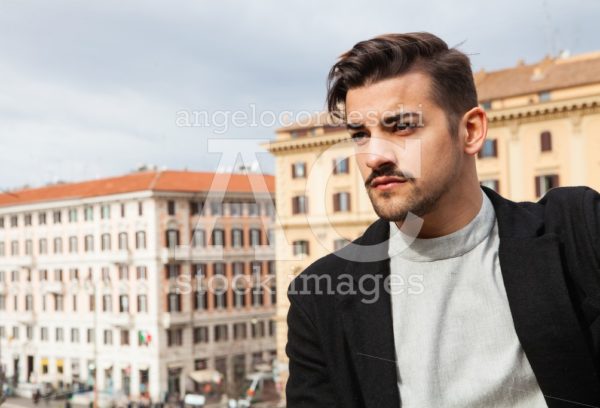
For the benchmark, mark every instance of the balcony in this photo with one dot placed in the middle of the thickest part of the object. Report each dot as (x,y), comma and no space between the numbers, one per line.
(27,318)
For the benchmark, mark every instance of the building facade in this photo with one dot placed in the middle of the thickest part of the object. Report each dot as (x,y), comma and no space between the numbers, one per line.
(544,132)
(127,283)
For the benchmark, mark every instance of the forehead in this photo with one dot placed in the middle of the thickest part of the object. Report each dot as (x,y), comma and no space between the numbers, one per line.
(408,92)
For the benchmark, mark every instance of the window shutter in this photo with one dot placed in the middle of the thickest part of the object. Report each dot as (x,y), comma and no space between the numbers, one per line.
(537,186)
(555,180)
(495,148)
(294,205)
(335,167)
(293,170)
(336,202)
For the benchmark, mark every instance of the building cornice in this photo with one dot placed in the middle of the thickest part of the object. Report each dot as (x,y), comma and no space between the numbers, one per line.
(544,111)
(306,142)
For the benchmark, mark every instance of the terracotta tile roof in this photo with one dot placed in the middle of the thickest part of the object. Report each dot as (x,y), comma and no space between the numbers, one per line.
(546,75)
(173,181)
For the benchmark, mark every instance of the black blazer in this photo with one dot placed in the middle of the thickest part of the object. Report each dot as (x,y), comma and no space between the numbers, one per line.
(341,349)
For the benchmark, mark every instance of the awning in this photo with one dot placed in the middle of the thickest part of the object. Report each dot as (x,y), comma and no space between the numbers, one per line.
(202,376)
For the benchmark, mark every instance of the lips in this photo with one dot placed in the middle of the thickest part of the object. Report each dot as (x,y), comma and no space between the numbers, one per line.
(386,182)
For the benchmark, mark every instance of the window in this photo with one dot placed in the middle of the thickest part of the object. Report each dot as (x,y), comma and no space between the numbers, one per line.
(341,202)
(299,205)
(489,149)
(73,274)
(171,207)
(73,215)
(341,166)
(27,220)
(200,299)
(57,245)
(545,183)
(105,274)
(173,302)
(299,170)
(106,303)
(89,243)
(221,333)
(142,303)
(201,334)
(172,238)
(218,237)
(239,331)
(255,237)
(44,333)
(28,247)
(108,338)
(59,334)
(492,184)
(123,272)
(123,208)
(105,242)
(257,290)
(124,337)
(14,248)
(14,221)
(339,243)
(105,211)
(1,222)
(216,208)
(173,271)
(237,238)
(140,240)
(43,246)
(238,284)
(199,238)
(74,335)
(546,141)
(141,272)
(90,335)
(73,245)
(544,96)
(124,304)
(486,105)
(57,217)
(42,218)
(235,209)
(301,248)
(123,241)
(253,209)
(2,249)
(174,337)
(88,213)
(28,302)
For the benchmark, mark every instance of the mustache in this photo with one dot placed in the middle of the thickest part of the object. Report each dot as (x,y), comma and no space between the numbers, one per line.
(388,171)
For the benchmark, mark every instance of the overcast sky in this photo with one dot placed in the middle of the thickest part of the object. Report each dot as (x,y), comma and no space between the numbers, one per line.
(93,89)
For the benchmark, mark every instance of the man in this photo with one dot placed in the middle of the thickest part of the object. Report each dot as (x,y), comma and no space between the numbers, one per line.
(455,297)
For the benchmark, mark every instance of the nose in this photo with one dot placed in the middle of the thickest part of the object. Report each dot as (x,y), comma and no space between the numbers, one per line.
(379,152)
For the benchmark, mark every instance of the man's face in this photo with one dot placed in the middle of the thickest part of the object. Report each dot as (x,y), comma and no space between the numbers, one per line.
(405,152)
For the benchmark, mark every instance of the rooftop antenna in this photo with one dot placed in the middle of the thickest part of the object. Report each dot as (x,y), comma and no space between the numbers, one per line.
(551,31)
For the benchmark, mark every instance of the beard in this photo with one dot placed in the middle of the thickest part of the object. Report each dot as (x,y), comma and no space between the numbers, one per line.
(395,205)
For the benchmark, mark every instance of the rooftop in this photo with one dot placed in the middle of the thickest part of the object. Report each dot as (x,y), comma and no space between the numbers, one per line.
(157,181)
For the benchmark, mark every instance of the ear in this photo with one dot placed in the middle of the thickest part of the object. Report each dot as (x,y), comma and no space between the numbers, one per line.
(473,129)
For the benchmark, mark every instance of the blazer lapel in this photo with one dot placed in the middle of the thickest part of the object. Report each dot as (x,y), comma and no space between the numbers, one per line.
(367,320)
(542,311)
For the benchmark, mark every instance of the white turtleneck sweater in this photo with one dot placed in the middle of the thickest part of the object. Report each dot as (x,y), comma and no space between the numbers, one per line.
(455,341)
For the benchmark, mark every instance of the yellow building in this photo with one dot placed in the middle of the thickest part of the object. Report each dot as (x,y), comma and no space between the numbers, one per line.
(544,132)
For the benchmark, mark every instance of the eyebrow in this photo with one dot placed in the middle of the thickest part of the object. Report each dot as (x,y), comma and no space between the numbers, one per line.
(387,120)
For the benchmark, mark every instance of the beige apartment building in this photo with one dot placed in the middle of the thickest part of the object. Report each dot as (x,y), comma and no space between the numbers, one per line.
(108,282)
(544,132)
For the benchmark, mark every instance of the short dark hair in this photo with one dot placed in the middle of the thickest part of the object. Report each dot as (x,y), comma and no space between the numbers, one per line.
(391,55)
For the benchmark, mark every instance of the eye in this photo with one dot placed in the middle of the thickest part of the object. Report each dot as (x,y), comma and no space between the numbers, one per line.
(359,137)
(403,126)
